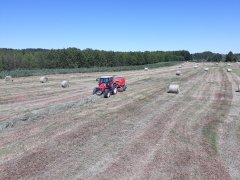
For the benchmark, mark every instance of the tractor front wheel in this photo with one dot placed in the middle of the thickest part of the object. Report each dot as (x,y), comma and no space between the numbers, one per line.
(107,93)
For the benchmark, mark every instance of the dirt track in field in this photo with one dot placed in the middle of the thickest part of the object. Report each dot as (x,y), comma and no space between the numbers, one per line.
(47,132)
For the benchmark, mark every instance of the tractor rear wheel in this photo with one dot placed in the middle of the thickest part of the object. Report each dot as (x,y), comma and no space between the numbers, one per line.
(114,90)
(107,93)
(124,88)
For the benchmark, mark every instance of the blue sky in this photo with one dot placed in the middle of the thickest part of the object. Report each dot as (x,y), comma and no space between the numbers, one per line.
(121,25)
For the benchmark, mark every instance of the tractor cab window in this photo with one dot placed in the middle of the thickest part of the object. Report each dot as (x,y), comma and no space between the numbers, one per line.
(105,80)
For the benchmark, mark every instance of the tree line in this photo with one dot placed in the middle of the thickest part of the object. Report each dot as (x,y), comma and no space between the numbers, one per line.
(11,59)
(216,57)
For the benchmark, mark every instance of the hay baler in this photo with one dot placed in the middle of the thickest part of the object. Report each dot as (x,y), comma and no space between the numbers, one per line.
(109,85)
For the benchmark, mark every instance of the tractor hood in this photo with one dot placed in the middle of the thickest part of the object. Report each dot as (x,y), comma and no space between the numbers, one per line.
(102,86)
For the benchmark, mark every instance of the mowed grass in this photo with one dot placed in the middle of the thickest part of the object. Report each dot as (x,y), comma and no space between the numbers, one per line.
(211,136)
(39,72)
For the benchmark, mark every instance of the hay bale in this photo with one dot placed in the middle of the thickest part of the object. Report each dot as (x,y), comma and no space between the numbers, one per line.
(43,79)
(205,69)
(179,66)
(216,63)
(229,70)
(195,67)
(238,90)
(65,84)
(178,73)
(145,69)
(229,64)
(8,78)
(173,88)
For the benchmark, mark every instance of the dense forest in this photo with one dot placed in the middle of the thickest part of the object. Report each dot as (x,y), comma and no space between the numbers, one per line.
(216,57)
(11,59)
(208,56)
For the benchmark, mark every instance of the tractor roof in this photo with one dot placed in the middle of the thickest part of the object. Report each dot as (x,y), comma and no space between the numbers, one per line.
(106,76)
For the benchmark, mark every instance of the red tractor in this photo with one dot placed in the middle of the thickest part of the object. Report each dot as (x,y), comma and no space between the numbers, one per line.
(109,85)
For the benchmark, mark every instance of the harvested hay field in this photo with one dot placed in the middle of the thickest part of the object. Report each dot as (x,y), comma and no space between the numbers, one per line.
(49,132)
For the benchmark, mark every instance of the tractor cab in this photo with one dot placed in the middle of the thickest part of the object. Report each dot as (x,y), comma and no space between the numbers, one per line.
(105,79)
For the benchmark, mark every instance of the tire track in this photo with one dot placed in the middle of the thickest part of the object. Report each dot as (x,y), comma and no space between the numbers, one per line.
(229,132)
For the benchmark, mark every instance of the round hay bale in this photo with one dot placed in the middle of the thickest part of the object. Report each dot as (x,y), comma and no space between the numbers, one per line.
(238,90)
(216,63)
(173,88)
(178,73)
(65,84)
(8,78)
(205,69)
(43,79)
(229,64)
(229,70)
(145,69)
(195,67)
